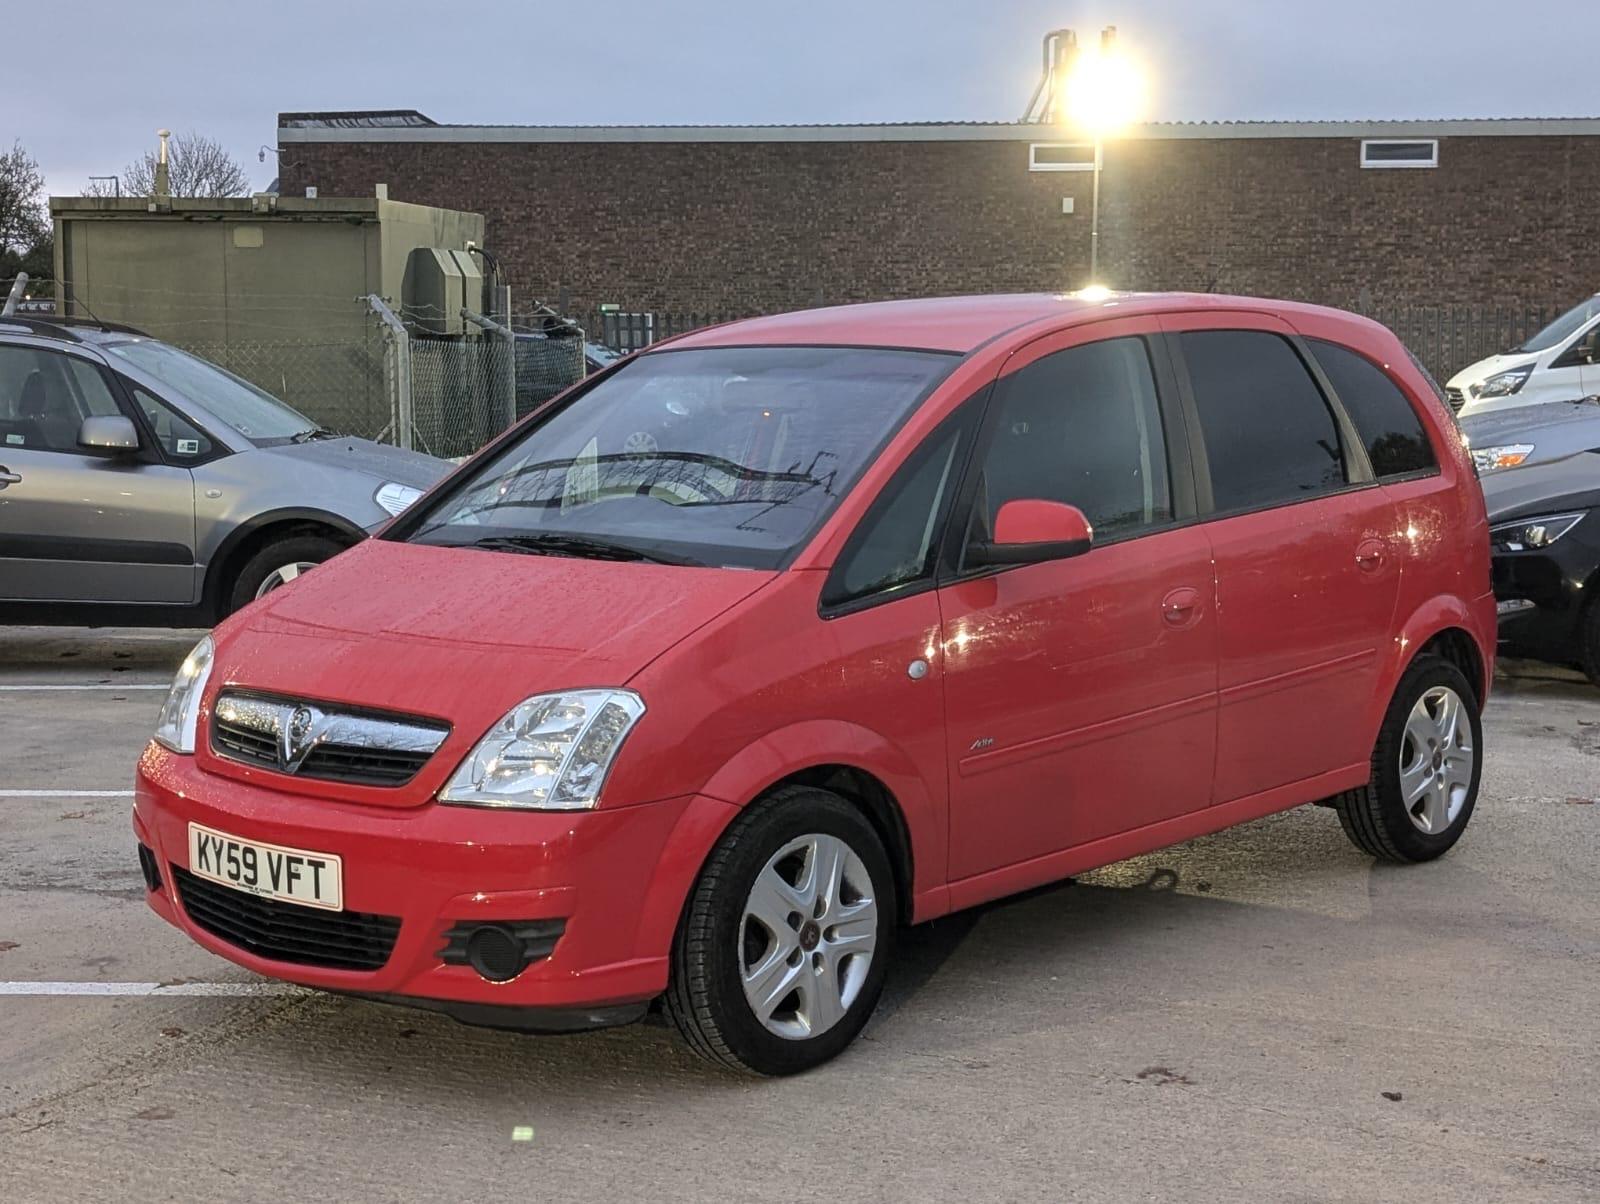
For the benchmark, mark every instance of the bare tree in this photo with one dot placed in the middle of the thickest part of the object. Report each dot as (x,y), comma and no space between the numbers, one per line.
(24,215)
(197,166)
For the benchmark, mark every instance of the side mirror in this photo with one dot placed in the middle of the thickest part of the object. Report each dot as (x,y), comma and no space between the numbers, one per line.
(112,434)
(1031,530)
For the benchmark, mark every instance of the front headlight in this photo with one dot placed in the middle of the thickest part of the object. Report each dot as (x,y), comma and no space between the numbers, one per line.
(1503,384)
(395,497)
(550,753)
(1530,533)
(1507,455)
(180,715)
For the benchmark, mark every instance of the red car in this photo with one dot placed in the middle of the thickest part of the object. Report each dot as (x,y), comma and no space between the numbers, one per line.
(717,669)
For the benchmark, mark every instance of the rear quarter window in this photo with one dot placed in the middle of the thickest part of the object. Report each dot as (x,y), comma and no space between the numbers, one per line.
(1395,440)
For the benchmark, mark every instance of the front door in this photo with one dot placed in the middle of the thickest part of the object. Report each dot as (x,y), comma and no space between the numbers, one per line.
(1080,694)
(77,527)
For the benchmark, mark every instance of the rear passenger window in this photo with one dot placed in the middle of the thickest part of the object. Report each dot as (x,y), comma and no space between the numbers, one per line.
(1270,437)
(1396,443)
(1081,426)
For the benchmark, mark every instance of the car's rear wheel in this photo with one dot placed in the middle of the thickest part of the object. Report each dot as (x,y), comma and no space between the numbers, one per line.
(277,564)
(1425,768)
(784,944)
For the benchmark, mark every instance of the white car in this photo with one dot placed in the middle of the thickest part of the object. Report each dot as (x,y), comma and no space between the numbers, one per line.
(1560,363)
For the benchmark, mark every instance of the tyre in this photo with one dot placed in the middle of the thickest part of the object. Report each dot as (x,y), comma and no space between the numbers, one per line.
(785,940)
(1589,642)
(278,563)
(1425,768)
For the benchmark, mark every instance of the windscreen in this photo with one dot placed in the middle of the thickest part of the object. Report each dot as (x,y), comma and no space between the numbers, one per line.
(254,413)
(1564,327)
(728,456)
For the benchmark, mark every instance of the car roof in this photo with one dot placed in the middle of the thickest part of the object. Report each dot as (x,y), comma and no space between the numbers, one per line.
(68,330)
(963,324)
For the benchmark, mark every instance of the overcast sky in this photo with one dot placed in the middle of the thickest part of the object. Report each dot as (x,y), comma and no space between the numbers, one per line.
(89,83)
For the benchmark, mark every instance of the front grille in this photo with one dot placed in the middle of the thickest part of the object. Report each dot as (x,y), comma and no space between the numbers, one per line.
(332,744)
(287,932)
(240,743)
(1456,398)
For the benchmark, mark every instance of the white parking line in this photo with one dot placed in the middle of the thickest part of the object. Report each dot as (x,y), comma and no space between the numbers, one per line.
(96,685)
(151,988)
(66,794)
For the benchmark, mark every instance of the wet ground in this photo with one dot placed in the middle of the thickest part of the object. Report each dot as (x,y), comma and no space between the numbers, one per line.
(1264,1014)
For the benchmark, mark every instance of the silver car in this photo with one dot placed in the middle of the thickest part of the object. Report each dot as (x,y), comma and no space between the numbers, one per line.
(141,484)
(1536,434)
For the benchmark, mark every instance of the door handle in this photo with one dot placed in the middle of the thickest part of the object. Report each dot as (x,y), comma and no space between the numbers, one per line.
(7,477)
(1181,607)
(1369,556)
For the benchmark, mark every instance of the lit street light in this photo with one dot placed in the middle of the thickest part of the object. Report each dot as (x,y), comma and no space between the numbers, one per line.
(1102,95)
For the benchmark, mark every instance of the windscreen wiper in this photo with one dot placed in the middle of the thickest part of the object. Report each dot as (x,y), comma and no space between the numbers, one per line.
(578,545)
(315,432)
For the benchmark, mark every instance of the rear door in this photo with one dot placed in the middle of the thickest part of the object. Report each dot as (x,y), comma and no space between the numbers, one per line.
(1080,694)
(77,527)
(1304,546)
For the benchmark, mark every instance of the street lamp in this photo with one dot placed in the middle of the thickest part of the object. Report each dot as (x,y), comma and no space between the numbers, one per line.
(1101,96)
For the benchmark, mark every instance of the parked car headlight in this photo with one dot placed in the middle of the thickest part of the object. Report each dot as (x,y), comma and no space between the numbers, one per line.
(550,753)
(180,714)
(395,497)
(1503,384)
(1507,455)
(1530,533)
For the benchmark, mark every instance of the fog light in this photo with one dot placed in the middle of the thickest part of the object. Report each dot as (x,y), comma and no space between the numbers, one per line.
(1513,606)
(499,952)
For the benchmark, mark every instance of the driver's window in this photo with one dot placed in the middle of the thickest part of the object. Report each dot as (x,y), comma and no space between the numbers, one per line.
(1081,426)
(46,395)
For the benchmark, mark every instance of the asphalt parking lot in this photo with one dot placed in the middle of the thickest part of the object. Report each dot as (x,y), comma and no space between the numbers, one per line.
(1260,1015)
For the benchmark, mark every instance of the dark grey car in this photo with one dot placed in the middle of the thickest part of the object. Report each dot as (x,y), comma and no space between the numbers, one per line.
(141,484)
(1536,434)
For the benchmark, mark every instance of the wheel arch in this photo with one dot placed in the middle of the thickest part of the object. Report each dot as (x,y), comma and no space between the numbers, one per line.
(870,772)
(1447,626)
(256,532)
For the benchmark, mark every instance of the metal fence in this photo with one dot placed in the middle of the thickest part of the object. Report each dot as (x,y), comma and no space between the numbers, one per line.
(1447,338)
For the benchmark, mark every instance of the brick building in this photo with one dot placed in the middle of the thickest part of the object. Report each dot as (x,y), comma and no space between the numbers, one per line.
(736,219)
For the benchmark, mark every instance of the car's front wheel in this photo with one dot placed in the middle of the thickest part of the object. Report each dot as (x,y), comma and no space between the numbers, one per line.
(784,944)
(1425,768)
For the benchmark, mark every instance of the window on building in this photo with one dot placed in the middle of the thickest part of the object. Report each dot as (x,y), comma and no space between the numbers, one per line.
(1270,437)
(1399,152)
(1083,427)
(1396,443)
(1061,156)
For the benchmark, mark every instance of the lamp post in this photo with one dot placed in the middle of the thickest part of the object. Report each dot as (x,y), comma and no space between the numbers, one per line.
(1101,96)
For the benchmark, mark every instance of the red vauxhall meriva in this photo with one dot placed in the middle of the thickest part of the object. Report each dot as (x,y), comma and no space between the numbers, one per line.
(725,664)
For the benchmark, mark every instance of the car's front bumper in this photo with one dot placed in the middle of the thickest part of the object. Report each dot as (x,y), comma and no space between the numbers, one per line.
(1540,595)
(616,877)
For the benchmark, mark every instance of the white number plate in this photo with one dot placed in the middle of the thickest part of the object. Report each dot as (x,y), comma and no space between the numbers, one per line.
(268,870)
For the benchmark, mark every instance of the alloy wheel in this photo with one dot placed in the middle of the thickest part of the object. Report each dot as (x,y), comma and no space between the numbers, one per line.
(1437,760)
(807,937)
(281,576)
